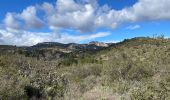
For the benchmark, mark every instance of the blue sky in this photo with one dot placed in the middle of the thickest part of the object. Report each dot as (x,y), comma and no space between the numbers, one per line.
(27,22)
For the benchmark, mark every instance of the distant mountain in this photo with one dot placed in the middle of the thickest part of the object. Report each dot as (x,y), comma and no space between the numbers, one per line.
(94,45)
(54,50)
(48,44)
(100,44)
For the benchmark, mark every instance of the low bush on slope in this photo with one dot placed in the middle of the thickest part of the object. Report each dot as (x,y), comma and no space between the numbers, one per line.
(135,69)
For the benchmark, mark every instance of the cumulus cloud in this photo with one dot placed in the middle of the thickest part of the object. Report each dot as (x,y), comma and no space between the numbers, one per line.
(70,14)
(27,38)
(151,10)
(30,18)
(64,6)
(85,16)
(25,20)
(48,8)
(145,10)
(89,16)
(11,22)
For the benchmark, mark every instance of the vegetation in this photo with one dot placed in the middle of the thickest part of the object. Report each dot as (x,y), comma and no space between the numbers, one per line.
(134,69)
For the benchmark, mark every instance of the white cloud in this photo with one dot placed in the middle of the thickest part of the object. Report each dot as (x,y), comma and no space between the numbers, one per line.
(87,15)
(84,17)
(48,8)
(30,18)
(26,38)
(71,15)
(133,27)
(145,10)
(25,20)
(11,22)
(64,6)
(152,9)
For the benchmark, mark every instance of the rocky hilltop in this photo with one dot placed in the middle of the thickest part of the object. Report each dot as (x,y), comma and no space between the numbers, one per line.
(89,46)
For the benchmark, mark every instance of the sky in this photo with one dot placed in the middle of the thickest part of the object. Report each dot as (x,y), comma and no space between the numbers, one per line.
(28,22)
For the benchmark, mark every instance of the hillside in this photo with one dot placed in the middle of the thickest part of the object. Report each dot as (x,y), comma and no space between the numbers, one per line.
(134,69)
